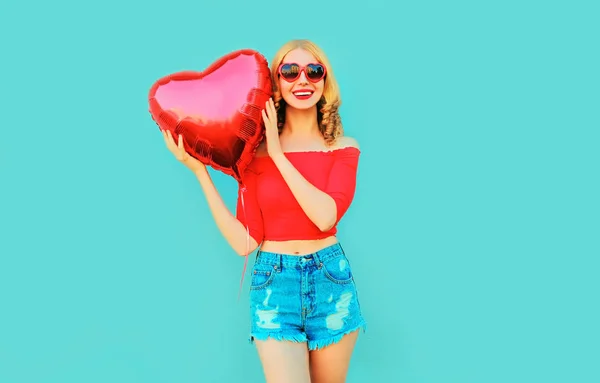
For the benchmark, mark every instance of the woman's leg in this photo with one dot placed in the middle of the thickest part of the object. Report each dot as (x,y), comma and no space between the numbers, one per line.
(284,361)
(276,318)
(330,364)
(334,319)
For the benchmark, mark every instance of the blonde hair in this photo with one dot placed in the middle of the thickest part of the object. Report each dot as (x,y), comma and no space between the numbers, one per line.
(328,118)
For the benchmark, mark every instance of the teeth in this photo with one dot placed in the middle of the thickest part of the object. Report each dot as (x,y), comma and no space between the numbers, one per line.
(302,93)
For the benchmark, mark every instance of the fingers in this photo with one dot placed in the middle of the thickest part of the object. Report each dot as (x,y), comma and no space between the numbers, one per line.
(177,149)
(170,142)
(165,136)
(270,107)
(264,116)
(182,154)
(273,110)
(269,113)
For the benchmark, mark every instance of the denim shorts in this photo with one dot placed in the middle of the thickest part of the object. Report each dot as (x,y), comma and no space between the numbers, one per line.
(304,298)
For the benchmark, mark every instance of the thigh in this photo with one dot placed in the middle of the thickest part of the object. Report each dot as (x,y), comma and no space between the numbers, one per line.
(330,364)
(284,361)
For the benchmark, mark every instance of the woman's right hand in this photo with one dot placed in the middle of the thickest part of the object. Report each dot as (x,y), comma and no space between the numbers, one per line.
(180,154)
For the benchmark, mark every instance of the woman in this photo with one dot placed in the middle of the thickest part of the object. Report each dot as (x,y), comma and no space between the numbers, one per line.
(303,300)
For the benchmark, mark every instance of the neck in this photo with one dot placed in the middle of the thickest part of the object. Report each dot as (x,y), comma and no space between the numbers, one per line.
(301,122)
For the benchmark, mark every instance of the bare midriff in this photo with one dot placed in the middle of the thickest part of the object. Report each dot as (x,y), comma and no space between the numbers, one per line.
(297,247)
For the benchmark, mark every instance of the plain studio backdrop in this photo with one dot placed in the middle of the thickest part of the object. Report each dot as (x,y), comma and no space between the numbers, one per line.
(473,235)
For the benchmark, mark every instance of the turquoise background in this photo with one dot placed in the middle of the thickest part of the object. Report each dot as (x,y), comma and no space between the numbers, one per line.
(474,233)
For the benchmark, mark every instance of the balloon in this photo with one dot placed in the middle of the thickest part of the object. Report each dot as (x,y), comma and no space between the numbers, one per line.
(217,110)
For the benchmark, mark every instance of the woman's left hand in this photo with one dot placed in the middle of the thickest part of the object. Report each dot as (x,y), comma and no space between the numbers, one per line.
(271,130)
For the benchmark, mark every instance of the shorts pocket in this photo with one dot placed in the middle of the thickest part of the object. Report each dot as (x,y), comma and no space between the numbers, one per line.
(262,276)
(337,269)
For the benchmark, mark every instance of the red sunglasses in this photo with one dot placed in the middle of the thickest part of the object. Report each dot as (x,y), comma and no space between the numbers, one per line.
(291,71)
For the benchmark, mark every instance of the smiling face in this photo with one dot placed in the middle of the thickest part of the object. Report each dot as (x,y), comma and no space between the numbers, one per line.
(306,90)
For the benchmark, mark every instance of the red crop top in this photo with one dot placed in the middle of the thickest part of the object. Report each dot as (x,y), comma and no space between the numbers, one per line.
(271,210)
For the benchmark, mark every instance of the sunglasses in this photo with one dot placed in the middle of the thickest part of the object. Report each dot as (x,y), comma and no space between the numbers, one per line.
(291,72)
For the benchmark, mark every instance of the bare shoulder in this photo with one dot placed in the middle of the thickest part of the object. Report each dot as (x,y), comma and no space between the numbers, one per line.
(347,142)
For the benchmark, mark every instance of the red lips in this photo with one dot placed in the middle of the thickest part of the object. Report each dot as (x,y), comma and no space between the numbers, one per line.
(303,94)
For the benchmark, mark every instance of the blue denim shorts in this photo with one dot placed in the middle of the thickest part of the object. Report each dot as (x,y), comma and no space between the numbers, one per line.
(304,298)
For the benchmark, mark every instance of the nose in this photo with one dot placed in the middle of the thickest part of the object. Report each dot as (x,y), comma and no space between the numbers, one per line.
(302,79)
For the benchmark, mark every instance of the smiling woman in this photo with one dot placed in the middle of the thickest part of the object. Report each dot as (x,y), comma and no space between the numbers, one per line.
(304,303)
(319,91)
(304,308)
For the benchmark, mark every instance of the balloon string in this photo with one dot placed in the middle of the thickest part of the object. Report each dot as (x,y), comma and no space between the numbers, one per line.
(247,243)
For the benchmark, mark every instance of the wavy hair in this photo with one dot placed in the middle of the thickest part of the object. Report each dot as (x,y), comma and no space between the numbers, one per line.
(328,118)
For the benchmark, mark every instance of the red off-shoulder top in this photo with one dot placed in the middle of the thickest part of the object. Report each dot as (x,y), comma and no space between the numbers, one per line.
(267,207)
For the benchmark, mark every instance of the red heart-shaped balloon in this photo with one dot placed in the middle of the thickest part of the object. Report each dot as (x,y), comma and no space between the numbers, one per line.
(218,110)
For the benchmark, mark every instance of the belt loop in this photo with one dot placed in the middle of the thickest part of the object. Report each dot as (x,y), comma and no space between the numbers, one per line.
(280,262)
(317,259)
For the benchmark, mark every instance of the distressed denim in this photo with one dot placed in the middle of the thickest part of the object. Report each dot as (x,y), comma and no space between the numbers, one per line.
(304,298)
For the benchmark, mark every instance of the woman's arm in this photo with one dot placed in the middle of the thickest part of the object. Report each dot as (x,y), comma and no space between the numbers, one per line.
(323,207)
(317,205)
(231,228)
